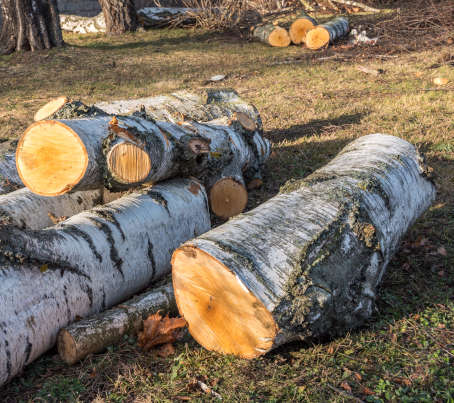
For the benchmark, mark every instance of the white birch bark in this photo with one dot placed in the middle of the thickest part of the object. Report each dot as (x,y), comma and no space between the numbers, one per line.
(83,25)
(315,254)
(9,178)
(158,17)
(337,28)
(94,334)
(27,210)
(90,262)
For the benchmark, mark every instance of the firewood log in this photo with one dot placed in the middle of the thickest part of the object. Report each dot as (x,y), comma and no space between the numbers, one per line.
(158,17)
(94,334)
(324,34)
(307,263)
(300,27)
(83,25)
(88,263)
(272,35)
(9,178)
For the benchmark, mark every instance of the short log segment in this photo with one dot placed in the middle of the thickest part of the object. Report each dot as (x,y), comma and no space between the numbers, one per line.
(27,210)
(324,34)
(272,35)
(90,262)
(307,263)
(300,27)
(94,334)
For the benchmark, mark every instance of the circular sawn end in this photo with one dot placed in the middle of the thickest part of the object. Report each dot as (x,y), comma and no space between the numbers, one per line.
(66,347)
(279,37)
(50,108)
(128,163)
(222,314)
(299,29)
(51,158)
(317,38)
(245,121)
(228,198)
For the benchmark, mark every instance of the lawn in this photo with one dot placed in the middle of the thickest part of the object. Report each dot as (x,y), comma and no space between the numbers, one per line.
(312,104)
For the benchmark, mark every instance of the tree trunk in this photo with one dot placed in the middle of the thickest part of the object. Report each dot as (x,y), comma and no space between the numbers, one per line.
(300,27)
(27,210)
(29,25)
(9,178)
(120,16)
(272,35)
(88,263)
(322,35)
(145,147)
(307,263)
(94,334)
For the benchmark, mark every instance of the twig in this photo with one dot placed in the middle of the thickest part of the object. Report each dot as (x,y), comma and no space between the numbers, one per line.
(356,4)
(207,390)
(367,70)
(345,394)
(306,5)
(283,11)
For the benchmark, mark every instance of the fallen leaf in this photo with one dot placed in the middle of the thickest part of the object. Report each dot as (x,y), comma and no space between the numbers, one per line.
(344,385)
(159,330)
(166,350)
(358,376)
(44,268)
(442,251)
(440,81)
(367,391)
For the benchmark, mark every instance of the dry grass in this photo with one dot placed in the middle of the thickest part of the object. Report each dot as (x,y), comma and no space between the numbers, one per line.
(311,108)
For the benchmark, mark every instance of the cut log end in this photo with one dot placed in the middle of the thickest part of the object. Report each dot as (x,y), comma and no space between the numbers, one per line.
(228,198)
(67,347)
(299,29)
(128,163)
(207,293)
(50,158)
(245,121)
(50,108)
(279,38)
(317,38)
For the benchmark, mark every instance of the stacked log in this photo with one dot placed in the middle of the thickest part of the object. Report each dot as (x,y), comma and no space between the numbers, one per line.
(272,35)
(307,263)
(322,35)
(88,263)
(57,156)
(300,27)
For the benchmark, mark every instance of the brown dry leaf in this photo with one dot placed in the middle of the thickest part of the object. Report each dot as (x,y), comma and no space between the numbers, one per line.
(344,385)
(358,376)
(330,350)
(440,81)
(442,251)
(367,391)
(159,330)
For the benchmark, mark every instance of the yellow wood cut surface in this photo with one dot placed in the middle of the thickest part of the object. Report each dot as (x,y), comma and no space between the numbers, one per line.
(279,37)
(50,158)
(228,198)
(299,29)
(223,315)
(128,163)
(317,38)
(50,108)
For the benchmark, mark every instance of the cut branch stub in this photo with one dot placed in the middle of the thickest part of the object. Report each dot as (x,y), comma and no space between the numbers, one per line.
(272,35)
(307,263)
(300,27)
(322,35)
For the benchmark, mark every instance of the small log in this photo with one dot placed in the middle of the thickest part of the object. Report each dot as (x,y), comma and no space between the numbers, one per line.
(94,334)
(83,25)
(88,263)
(9,178)
(24,209)
(307,263)
(300,27)
(272,35)
(159,17)
(324,34)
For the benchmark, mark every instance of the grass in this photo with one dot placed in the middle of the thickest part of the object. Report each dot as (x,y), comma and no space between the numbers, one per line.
(311,108)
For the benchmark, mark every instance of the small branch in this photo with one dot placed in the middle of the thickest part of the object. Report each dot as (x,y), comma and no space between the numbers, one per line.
(356,4)
(345,394)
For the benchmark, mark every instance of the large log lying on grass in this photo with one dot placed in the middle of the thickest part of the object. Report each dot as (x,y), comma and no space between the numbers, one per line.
(300,27)
(272,35)
(88,263)
(94,334)
(159,17)
(307,263)
(324,34)
(83,25)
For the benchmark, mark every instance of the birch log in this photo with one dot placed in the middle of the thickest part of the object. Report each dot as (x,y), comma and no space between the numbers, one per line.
(90,262)
(307,263)
(324,34)
(94,334)
(159,17)
(83,25)
(27,210)
(300,27)
(272,35)
(9,178)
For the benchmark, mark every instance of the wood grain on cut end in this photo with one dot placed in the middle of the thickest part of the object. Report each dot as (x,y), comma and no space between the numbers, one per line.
(317,38)
(128,163)
(279,37)
(67,347)
(246,121)
(299,29)
(223,315)
(50,108)
(50,158)
(228,198)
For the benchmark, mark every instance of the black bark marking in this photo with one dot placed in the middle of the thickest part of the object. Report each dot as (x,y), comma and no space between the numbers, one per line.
(68,311)
(151,257)
(114,257)
(28,350)
(103,303)
(110,216)
(76,232)
(159,199)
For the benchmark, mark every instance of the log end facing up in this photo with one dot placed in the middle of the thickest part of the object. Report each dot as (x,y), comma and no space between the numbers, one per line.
(50,108)
(317,38)
(67,347)
(207,293)
(51,158)
(128,163)
(299,29)
(228,198)
(279,38)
